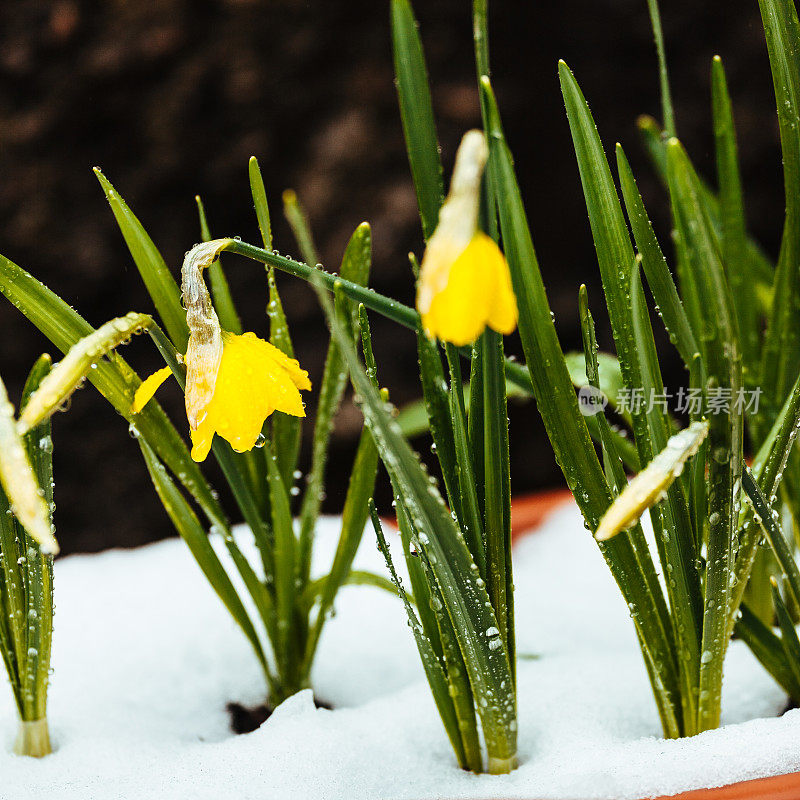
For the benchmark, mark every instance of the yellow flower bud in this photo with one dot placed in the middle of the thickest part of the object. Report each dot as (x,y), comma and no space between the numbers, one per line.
(464,283)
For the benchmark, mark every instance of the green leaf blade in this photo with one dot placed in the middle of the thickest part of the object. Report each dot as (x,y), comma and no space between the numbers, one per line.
(160,284)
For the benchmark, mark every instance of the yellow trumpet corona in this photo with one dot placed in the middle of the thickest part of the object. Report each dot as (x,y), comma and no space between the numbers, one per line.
(464,282)
(254,379)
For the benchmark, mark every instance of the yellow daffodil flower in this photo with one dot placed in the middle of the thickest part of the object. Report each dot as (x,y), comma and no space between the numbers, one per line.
(464,282)
(254,379)
(233,381)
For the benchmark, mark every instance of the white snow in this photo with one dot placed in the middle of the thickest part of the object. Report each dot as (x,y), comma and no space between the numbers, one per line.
(146,659)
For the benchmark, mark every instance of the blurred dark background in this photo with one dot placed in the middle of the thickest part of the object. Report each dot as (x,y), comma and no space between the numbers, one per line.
(170,98)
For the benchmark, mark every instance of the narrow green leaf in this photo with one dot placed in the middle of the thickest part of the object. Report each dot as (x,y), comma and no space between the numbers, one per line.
(672,523)
(434,670)
(781,352)
(789,640)
(354,519)
(356,263)
(555,396)
(733,230)
(260,201)
(497,519)
(465,599)
(416,111)
(286,429)
(160,284)
(436,394)
(467,509)
(768,468)
(663,76)
(474,404)
(37,567)
(14,607)
(190,530)
(766,517)
(298,220)
(588,374)
(655,266)
(724,368)
(283,578)
(768,649)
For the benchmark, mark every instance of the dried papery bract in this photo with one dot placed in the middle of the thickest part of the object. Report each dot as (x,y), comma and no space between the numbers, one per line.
(204,351)
(70,372)
(651,484)
(19,480)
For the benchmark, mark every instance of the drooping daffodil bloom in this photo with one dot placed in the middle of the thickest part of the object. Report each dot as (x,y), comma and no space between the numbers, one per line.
(254,379)
(464,282)
(233,381)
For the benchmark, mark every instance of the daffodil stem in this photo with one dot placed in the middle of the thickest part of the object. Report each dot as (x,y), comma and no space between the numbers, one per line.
(33,739)
(404,315)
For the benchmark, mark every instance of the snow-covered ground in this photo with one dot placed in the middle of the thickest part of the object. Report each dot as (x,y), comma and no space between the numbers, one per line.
(146,659)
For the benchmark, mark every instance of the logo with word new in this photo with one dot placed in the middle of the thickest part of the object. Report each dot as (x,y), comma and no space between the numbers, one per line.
(591,401)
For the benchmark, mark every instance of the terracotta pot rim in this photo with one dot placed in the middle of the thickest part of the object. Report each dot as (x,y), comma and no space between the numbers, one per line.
(528,512)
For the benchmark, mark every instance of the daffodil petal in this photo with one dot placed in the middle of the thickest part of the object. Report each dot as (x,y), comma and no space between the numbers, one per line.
(148,388)
(290,365)
(201,441)
(254,379)
(478,293)
(458,313)
(503,312)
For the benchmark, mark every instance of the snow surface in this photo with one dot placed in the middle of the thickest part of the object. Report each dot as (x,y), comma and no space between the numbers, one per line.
(146,659)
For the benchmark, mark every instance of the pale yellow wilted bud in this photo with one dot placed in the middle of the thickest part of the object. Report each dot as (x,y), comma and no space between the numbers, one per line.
(651,484)
(68,374)
(19,480)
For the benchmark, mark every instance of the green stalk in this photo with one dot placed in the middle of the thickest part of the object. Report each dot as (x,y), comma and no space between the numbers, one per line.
(497,524)
(666,95)
(724,365)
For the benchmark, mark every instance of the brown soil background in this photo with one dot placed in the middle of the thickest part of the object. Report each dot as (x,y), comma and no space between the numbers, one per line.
(171,98)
